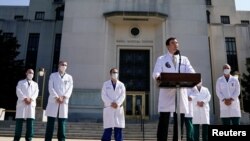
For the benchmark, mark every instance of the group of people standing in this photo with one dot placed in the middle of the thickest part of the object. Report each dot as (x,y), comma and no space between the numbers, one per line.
(60,89)
(194,102)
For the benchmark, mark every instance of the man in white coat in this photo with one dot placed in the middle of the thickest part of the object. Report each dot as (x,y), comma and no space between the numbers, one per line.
(170,63)
(60,90)
(228,91)
(200,101)
(113,95)
(27,93)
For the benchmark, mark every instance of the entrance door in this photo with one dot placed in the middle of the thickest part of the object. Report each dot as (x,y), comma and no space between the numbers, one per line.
(134,72)
(135,104)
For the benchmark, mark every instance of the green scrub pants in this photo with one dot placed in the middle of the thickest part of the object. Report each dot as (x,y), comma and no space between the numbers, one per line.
(204,132)
(231,121)
(189,128)
(19,127)
(61,134)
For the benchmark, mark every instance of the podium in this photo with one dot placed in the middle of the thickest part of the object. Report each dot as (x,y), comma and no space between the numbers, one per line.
(171,80)
(178,80)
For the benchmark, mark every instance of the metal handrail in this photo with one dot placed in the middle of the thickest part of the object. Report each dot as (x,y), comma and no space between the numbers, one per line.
(2,112)
(10,111)
(142,121)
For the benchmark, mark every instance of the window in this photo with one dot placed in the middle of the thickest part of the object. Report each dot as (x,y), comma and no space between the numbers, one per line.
(231,53)
(18,17)
(39,15)
(208,2)
(32,50)
(58,1)
(208,16)
(225,19)
(57,48)
(59,13)
(244,21)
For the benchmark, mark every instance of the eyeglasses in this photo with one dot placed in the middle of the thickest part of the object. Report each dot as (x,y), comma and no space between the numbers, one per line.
(114,72)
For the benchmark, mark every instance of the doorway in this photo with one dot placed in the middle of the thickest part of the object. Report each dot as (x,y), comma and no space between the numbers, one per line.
(134,68)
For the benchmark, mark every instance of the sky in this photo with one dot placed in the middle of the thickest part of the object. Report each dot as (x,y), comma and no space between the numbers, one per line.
(241,5)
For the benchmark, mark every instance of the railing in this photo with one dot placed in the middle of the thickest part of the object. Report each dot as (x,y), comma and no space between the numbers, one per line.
(140,112)
(2,113)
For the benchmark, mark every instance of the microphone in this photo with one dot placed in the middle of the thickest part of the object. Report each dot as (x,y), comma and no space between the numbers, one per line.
(177,52)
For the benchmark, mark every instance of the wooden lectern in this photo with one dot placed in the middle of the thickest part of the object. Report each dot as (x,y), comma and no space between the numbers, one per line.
(171,80)
(178,80)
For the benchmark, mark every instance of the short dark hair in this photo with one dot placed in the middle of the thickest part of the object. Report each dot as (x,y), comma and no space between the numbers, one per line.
(169,39)
(111,70)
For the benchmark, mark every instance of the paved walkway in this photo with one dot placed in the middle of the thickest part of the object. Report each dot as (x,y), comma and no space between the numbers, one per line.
(41,139)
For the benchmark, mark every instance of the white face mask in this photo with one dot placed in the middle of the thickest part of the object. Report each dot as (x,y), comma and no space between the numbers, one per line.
(62,68)
(30,76)
(114,76)
(226,71)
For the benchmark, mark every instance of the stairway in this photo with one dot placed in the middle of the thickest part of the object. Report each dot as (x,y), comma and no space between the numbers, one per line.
(86,130)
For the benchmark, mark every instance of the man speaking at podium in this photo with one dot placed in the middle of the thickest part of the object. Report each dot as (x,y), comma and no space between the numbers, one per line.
(171,62)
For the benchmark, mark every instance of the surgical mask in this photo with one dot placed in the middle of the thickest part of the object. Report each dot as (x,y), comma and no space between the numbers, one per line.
(226,71)
(62,68)
(30,76)
(114,76)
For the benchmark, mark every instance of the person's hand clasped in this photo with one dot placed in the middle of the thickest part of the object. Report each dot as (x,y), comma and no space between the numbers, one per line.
(114,105)
(27,101)
(200,103)
(60,99)
(228,101)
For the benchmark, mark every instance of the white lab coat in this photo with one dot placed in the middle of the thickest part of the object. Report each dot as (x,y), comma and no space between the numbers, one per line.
(201,114)
(26,90)
(59,86)
(167,95)
(230,89)
(190,104)
(113,117)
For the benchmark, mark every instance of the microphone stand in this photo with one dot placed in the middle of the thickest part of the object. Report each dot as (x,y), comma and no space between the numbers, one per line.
(178,100)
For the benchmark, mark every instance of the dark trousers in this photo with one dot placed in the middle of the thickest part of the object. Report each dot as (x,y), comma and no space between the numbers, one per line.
(108,133)
(29,129)
(231,121)
(197,132)
(162,130)
(175,138)
(61,134)
(189,128)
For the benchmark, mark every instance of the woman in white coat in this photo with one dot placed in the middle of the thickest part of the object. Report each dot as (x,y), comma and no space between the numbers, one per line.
(60,90)
(169,63)
(27,93)
(200,100)
(228,91)
(113,95)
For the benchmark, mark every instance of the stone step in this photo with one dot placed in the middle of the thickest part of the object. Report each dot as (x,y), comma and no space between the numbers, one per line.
(85,130)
